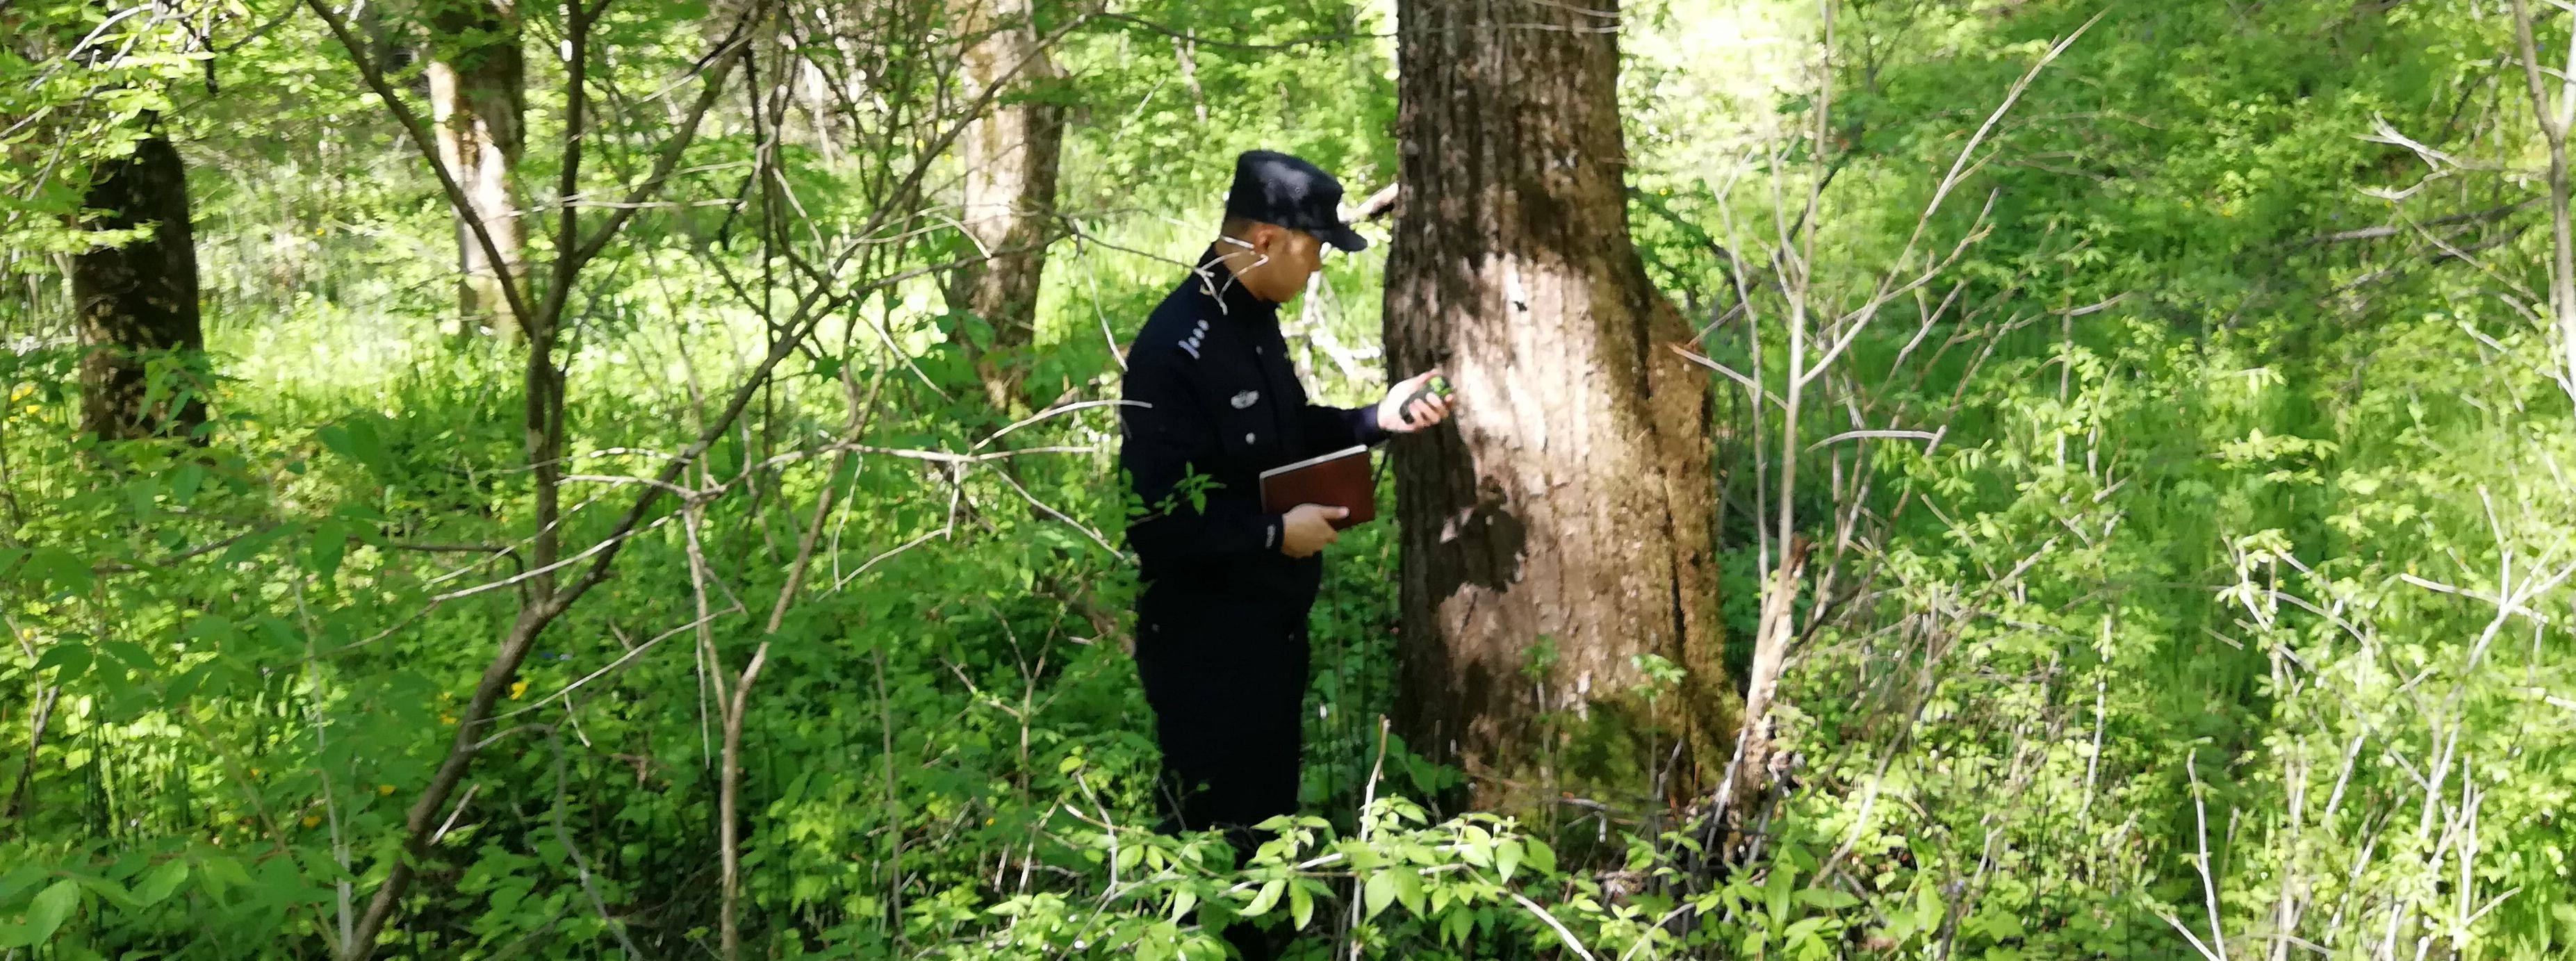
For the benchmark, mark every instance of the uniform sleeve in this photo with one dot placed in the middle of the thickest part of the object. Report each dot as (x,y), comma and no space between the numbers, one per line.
(1162,441)
(1334,428)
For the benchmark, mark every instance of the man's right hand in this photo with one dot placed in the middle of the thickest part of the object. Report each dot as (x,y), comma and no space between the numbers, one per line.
(1306,528)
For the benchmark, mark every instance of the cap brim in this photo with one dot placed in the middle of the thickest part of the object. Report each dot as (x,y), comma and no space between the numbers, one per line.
(1342,236)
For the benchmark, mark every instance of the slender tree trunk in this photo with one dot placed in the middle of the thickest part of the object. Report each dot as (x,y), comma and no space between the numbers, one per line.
(477,96)
(1010,154)
(728,805)
(1568,510)
(2554,120)
(139,298)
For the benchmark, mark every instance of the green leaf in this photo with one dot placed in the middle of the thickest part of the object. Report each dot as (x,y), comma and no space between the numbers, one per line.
(357,440)
(1804,928)
(1542,857)
(112,892)
(370,446)
(1827,898)
(161,882)
(185,481)
(223,872)
(1477,847)
(2000,925)
(1927,908)
(211,626)
(73,660)
(1182,902)
(1454,925)
(1377,893)
(50,909)
(139,495)
(1266,899)
(1507,857)
(335,437)
(250,546)
(1301,905)
(1408,891)
(58,568)
(26,876)
(330,544)
(130,654)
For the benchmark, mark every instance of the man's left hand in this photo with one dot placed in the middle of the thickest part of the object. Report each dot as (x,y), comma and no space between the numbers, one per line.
(1397,417)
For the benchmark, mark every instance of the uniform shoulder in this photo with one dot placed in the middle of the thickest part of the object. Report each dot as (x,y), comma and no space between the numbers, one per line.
(1176,330)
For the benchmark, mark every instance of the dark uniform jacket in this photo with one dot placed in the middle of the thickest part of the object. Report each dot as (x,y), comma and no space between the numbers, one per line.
(1224,403)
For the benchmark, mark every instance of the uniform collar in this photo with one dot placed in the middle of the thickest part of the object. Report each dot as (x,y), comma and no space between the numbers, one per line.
(1215,281)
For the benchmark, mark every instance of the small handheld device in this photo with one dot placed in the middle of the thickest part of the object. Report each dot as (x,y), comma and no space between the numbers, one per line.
(1437,386)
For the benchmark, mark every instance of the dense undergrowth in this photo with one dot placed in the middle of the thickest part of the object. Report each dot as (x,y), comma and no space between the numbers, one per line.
(2223,616)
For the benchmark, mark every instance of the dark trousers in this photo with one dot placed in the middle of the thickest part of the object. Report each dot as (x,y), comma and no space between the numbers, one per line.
(1226,677)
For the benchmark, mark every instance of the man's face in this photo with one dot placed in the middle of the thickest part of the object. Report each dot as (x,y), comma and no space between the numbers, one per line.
(1287,259)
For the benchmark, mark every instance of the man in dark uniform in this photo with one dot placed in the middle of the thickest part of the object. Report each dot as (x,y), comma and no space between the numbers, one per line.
(1221,624)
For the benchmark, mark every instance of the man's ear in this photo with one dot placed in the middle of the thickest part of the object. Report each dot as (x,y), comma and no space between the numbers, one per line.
(1269,239)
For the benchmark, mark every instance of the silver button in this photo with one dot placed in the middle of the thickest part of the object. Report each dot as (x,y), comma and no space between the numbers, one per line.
(1247,438)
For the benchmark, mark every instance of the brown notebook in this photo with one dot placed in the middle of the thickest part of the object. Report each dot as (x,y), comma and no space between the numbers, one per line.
(1338,479)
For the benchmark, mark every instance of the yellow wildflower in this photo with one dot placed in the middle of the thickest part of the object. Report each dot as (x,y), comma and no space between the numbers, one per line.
(518,689)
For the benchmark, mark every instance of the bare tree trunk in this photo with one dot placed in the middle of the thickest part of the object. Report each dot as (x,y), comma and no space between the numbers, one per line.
(139,298)
(728,803)
(477,96)
(20,806)
(1569,508)
(1010,154)
(2554,120)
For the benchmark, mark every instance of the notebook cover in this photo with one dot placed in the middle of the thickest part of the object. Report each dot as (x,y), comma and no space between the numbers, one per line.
(1338,479)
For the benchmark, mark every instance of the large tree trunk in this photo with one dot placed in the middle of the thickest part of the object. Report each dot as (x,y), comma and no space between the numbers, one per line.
(1569,508)
(477,96)
(140,299)
(1010,155)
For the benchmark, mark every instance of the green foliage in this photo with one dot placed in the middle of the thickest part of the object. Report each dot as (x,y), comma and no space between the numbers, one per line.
(79,84)
(2203,574)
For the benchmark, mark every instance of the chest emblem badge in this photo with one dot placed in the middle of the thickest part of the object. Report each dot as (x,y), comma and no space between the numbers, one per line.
(1246,399)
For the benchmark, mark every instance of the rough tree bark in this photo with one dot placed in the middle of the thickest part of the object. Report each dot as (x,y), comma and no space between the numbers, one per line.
(477,97)
(138,298)
(1010,154)
(1570,505)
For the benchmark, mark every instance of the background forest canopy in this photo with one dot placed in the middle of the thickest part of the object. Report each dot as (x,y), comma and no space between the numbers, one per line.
(636,477)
